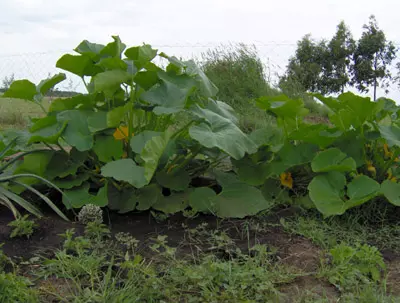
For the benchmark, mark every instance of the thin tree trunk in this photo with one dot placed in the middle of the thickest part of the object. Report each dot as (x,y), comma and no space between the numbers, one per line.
(375,82)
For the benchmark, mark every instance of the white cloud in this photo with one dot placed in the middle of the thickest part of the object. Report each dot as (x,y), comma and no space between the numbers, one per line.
(28,26)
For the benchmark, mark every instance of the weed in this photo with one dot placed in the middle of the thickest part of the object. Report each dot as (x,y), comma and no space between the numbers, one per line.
(351,267)
(16,289)
(22,226)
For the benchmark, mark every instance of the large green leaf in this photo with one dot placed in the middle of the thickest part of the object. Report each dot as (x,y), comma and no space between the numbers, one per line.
(77,133)
(107,148)
(391,133)
(391,191)
(332,159)
(223,109)
(21,89)
(172,204)
(125,170)
(175,180)
(236,200)
(117,115)
(47,130)
(146,79)
(80,100)
(148,196)
(360,190)
(326,191)
(318,134)
(167,97)
(250,172)
(97,121)
(124,200)
(113,49)
(207,88)
(71,181)
(282,106)
(221,133)
(45,85)
(268,136)
(138,141)
(78,65)
(110,80)
(112,63)
(63,164)
(77,197)
(141,55)
(202,200)
(152,153)
(89,49)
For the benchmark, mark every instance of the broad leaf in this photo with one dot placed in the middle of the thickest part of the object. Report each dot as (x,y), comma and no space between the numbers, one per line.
(79,101)
(207,88)
(78,65)
(332,159)
(148,196)
(77,133)
(71,182)
(141,55)
(282,106)
(221,133)
(391,133)
(125,170)
(326,191)
(107,148)
(21,89)
(391,191)
(175,180)
(201,200)
(172,204)
(45,85)
(110,80)
(152,153)
(168,98)
(77,197)
(361,190)
(47,130)
(89,49)
(124,200)
(138,141)
(318,134)
(113,49)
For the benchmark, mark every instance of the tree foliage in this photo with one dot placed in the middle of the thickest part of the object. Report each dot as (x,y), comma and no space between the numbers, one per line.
(372,58)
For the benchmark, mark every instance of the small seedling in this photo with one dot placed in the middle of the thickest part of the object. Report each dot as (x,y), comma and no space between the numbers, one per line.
(22,226)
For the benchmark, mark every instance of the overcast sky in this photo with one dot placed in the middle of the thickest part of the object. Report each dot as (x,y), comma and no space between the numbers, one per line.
(28,26)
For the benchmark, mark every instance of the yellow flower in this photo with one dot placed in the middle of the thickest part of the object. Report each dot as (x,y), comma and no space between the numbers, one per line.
(121,133)
(371,168)
(287,180)
(388,154)
(390,175)
(393,179)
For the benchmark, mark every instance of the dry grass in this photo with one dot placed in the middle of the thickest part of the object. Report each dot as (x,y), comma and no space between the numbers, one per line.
(15,113)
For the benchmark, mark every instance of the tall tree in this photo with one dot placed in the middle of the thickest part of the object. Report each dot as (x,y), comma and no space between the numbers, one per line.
(305,67)
(337,61)
(372,58)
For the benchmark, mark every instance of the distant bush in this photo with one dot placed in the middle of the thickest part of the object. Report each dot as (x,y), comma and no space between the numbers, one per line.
(238,73)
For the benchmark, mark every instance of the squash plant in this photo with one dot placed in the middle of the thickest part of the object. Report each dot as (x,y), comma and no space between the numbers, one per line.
(333,166)
(139,136)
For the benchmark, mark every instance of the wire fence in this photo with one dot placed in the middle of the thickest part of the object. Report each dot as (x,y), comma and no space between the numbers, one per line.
(39,65)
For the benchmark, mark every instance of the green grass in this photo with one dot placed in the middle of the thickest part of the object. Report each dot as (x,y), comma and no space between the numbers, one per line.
(98,267)
(16,113)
